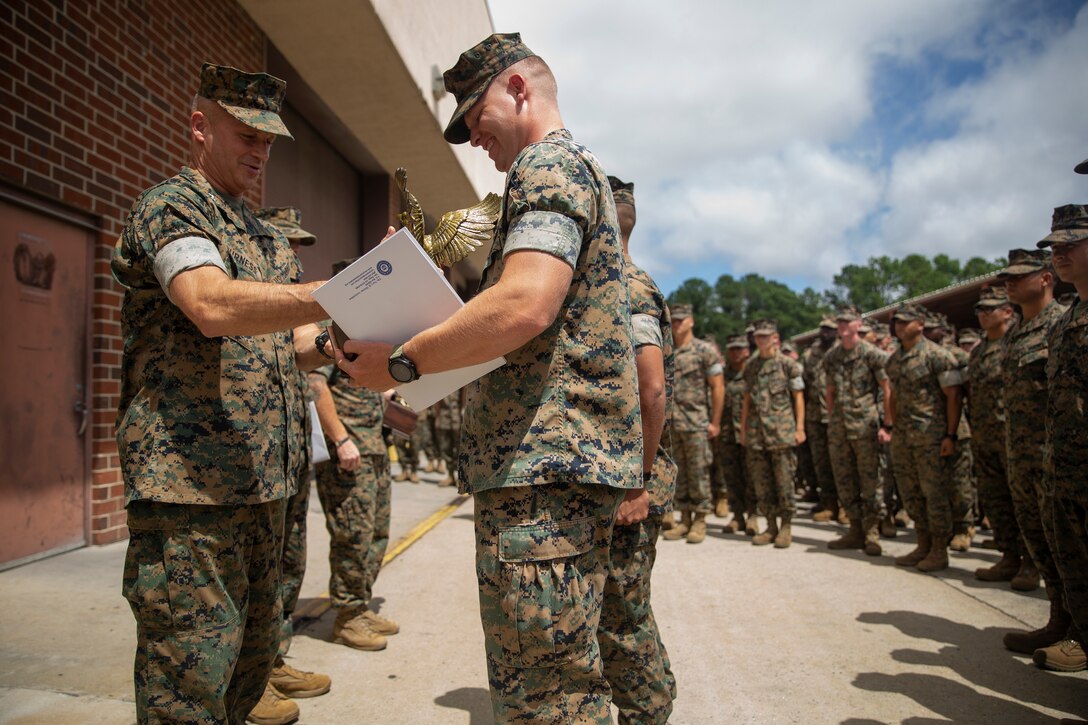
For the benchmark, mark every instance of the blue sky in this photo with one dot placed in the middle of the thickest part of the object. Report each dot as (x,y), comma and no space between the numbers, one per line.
(791,138)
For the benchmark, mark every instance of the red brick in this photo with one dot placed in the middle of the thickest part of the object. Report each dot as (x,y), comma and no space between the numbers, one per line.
(34,66)
(76,198)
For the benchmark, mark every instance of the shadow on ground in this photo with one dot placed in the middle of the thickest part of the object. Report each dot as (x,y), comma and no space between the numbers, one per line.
(476,701)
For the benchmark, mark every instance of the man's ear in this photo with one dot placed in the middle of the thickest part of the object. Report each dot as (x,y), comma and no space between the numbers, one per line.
(517,84)
(200,125)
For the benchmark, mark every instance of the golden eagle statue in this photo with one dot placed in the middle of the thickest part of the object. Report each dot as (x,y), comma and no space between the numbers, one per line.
(457,233)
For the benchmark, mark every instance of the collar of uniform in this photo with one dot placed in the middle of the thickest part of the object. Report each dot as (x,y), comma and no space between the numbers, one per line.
(221,200)
(558,134)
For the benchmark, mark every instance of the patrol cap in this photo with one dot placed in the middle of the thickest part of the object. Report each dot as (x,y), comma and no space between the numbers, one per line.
(338,267)
(622,193)
(865,328)
(288,220)
(788,346)
(253,98)
(750,328)
(848,313)
(1026,261)
(1069,224)
(881,329)
(470,77)
(992,297)
(828,323)
(765,326)
(935,321)
(679,311)
(735,341)
(1082,167)
(969,335)
(909,312)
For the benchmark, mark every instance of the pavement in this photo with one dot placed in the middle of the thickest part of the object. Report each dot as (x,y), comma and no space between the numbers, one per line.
(755,634)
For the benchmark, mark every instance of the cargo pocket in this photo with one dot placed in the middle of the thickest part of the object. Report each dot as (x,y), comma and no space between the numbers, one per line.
(546,600)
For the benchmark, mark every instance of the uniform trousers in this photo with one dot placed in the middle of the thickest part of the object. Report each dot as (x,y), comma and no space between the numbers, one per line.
(691,452)
(772,473)
(1070,526)
(925,484)
(856,463)
(991,464)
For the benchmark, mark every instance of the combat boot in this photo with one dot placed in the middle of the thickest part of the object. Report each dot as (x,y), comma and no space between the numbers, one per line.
(668,521)
(737,524)
(937,558)
(962,540)
(429,468)
(298,683)
(825,514)
(751,528)
(767,536)
(1065,656)
(447,481)
(721,509)
(273,709)
(920,552)
(887,527)
(784,537)
(441,467)
(381,625)
(352,628)
(1052,632)
(852,539)
(679,530)
(1027,579)
(413,477)
(403,475)
(698,529)
(872,540)
(844,518)
(1003,571)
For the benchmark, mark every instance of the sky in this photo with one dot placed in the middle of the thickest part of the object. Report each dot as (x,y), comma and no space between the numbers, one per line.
(789,138)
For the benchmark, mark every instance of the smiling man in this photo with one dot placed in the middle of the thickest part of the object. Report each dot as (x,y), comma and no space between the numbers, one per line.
(551,441)
(207,390)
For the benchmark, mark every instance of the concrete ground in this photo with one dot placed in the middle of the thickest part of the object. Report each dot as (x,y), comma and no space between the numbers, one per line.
(756,635)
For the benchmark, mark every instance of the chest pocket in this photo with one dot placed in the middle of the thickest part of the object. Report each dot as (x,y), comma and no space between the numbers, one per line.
(689,368)
(1039,354)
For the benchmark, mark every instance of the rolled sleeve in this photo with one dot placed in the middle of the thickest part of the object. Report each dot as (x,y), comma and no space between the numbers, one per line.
(950,378)
(715,369)
(184,254)
(647,330)
(545,231)
(797,384)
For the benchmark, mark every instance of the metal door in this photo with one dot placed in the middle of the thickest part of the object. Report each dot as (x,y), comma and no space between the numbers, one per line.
(43,398)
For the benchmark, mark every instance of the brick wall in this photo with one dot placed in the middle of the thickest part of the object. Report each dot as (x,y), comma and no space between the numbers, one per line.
(93,109)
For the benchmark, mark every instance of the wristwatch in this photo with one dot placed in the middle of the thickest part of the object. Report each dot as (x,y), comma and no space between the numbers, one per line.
(320,341)
(401,368)
(952,436)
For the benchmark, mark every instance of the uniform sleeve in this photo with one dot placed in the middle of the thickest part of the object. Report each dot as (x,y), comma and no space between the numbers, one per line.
(795,373)
(947,369)
(647,330)
(552,201)
(174,231)
(713,362)
(879,364)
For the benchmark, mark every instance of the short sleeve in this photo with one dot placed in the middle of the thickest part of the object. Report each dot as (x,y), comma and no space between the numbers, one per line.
(647,330)
(713,363)
(796,375)
(184,254)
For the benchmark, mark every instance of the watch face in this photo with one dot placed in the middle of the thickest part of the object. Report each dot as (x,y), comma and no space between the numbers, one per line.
(400,371)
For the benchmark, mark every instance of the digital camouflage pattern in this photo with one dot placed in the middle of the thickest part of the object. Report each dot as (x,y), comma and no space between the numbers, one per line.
(812,372)
(288,220)
(447,424)
(741,493)
(816,422)
(201,420)
(770,383)
(1067,404)
(1025,376)
(1069,223)
(986,408)
(772,472)
(253,98)
(203,584)
(428,443)
(541,565)
(565,406)
(856,375)
(923,476)
(961,466)
(648,307)
(356,504)
(691,452)
(636,663)
(694,365)
(469,78)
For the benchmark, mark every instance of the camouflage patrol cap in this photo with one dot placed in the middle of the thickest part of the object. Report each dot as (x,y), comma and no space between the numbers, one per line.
(750,328)
(909,312)
(1025,261)
(937,321)
(735,341)
(288,220)
(338,267)
(1069,225)
(968,335)
(992,297)
(788,346)
(622,193)
(828,323)
(765,326)
(881,329)
(253,98)
(1082,167)
(679,311)
(848,313)
(865,327)
(470,77)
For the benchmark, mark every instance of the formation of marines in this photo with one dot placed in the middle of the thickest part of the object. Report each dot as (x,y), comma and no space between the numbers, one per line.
(608,414)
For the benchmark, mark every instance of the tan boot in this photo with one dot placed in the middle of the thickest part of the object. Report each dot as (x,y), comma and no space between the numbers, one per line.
(447,481)
(920,552)
(352,628)
(872,539)
(852,539)
(273,709)
(668,522)
(698,529)
(737,524)
(825,515)
(784,537)
(402,476)
(887,527)
(429,468)
(441,467)
(844,519)
(680,530)
(751,528)
(413,477)
(298,683)
(721,509)
(937,558)
(962,540)
(1065,656)
(1027,579)
(381,625)
(1054,631)
(767,536)
(1002,571)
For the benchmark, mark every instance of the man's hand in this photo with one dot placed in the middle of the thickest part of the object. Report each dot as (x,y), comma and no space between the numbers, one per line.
(370,368)
(948,447)
(883,436)
(799,437)
(712,431)
(634,508)
(348,456)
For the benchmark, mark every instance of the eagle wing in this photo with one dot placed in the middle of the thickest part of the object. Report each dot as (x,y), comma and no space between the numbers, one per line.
(460,232)
(412,216)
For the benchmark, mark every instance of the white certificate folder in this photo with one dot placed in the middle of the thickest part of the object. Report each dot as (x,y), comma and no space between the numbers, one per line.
(388,295)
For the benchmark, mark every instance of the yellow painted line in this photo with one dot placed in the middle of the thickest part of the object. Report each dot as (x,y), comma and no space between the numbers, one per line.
(317,607)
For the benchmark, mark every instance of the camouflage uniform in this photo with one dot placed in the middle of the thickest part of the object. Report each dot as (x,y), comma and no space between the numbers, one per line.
(856,376)
(447,428)
(407,452)
(1025,379)
(550,440)
(816,423)
(695,363)
(987,413)
(356,503)
(769,442)
(636,662)
(961,469)
(202,434)
(742,495)
(917,377)
(428,438)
